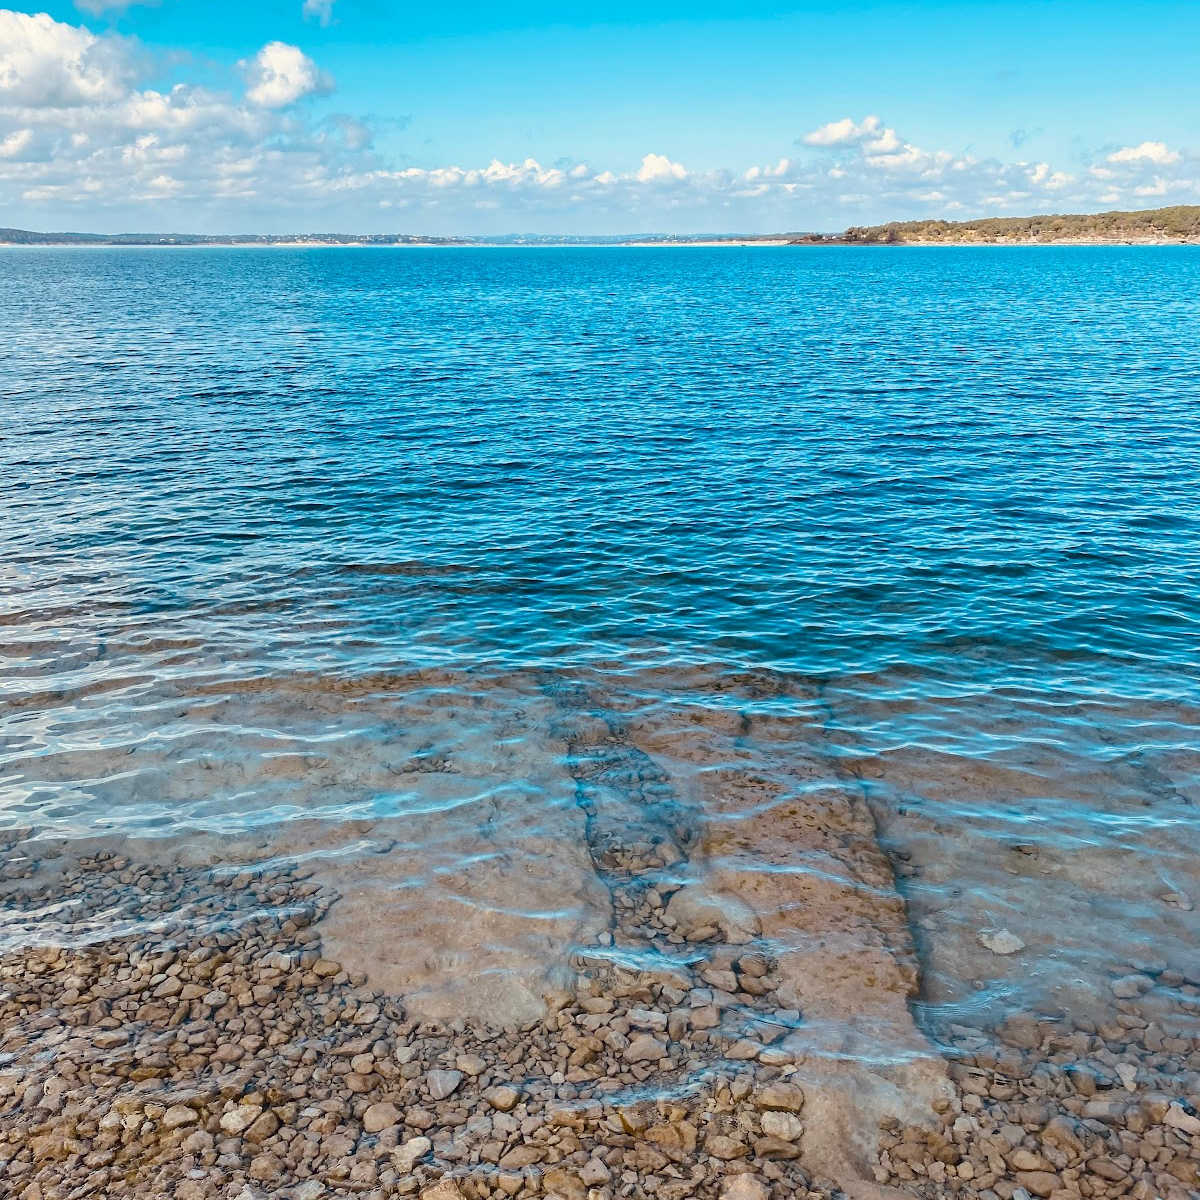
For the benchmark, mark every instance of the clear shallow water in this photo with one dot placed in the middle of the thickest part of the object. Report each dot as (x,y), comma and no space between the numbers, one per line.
(461,541)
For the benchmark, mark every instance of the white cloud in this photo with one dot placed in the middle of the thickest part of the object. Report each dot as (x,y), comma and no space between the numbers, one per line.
(1152,152)
(279,75)
(886,143)
(1044,176)
(843,133)
(44,62)
(16,142)
(1157,188)
(658,168)
(318,10)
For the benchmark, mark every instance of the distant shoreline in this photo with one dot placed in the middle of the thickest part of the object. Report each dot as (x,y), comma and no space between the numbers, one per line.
(1175,226)
(707,244)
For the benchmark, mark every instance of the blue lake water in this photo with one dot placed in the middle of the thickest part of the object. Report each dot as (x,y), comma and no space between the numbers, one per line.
(280,524)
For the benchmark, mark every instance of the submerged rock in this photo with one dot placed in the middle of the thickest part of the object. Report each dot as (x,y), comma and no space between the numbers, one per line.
(1000,941)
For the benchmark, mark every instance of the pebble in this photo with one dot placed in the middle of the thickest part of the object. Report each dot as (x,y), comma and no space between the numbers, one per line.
(744,1187)
(1177,1117)
(443,1083)
(645,1048)
(502,1097)
(445,1189)
(783,1125)
(380,1116)
(595,1173)
(240,1118)
(179,1115)
(411,1152)
(784,1097)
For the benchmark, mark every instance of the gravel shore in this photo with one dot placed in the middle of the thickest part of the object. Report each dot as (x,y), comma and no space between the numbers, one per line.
(243,1063)
(213,1051)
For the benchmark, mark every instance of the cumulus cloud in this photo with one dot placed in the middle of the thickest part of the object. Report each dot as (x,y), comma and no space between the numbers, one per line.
(658,168)
(46,63)
(844,132)
(1149,152)
(279,75)
(318,10)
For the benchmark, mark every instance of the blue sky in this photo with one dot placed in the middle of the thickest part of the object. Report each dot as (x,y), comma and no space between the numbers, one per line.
(474,118)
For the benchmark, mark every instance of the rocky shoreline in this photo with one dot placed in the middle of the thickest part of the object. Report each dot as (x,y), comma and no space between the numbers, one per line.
(213,1051)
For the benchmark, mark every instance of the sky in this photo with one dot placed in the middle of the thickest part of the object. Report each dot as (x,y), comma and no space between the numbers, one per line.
(531,117)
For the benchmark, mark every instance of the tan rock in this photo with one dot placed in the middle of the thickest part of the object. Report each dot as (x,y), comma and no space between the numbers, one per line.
(410,1153)
(645,1048)
(263,1127)
(266,1168)
(240,1118)
(444,1189)
(784,1125)
(1039,1183)
(564,1184)
(179,1115)
(595,1173)
(782,1097)
(693,909)
(381,1116)
(744,1187)
(502,1097)
(522,1156)
(725,1148)
(677,1140)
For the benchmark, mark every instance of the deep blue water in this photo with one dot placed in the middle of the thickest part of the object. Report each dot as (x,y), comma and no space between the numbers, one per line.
(949,499)
(817,460)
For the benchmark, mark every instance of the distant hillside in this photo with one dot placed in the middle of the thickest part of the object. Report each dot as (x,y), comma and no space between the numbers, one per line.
(1178,224)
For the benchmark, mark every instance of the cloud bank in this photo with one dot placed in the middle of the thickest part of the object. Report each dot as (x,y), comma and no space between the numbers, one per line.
(84,140)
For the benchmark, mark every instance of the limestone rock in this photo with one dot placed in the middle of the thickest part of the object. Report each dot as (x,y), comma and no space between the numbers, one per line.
(744,1187)
(1000,941)
(595,1173)
(782,1097)
(645,1048)
(238,1119)
(502,1097)
(179,1115)
(443,1083)
(1179,1118)
(693,909)
(266,1168)
(411,1152)
(782,1125)
(563,1183)
(381,1116)
(444,1189)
